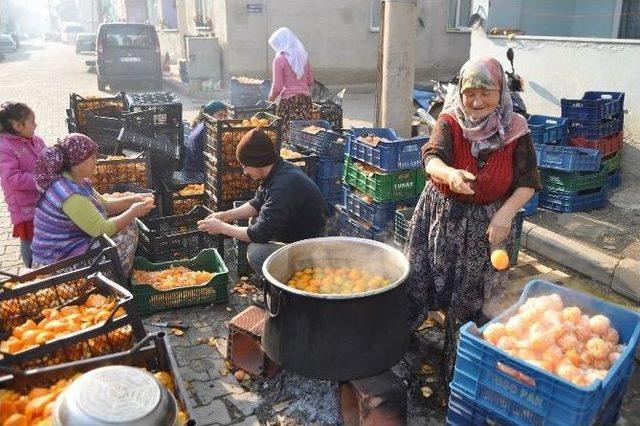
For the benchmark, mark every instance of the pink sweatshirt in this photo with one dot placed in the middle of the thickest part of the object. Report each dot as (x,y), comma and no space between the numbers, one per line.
(17,161)
(285,83)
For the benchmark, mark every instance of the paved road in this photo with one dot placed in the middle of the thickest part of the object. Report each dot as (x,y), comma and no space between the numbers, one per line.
(43,76)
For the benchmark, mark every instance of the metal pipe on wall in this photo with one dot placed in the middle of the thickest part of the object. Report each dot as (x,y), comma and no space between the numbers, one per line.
(397,65)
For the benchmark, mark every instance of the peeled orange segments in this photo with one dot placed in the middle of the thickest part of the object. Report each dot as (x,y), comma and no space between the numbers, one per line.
(170,278)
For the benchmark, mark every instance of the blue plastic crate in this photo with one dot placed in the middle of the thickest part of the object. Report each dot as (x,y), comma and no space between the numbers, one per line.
(380,215)
(324,143)
(593,106)
(330,188)
(330,167)
(574,202)
(350,226)
(551,130)
(464,412)
(531,207)
(568,158)
(599,129)
(391,155)
(614,180)
(525,394)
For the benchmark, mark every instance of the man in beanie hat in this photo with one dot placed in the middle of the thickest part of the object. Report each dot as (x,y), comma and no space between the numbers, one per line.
(287,207)
(193,165)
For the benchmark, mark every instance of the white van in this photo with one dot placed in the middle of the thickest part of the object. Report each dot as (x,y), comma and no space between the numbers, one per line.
(69,32)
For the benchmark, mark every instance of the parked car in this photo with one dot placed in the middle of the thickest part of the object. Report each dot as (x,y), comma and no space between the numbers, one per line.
(69,32)
(128,53)
(52,36)
(85,42)
(7,44)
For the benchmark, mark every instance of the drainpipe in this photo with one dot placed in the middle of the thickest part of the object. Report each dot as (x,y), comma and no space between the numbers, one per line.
(397,65)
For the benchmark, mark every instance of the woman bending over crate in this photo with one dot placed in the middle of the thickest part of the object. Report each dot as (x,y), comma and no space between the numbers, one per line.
(193,166)
(70,214)
(292,78)
(482,167)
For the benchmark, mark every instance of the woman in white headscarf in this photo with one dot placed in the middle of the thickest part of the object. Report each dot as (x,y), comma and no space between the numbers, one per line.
(292,78)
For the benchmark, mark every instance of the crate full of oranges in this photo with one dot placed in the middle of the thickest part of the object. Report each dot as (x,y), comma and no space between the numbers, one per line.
(181,283)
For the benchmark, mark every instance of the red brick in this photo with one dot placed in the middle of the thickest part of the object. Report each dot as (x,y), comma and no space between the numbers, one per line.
(243,346)
(379,400)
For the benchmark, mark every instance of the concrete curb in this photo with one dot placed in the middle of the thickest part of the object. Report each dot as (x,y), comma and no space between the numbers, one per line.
(623,276)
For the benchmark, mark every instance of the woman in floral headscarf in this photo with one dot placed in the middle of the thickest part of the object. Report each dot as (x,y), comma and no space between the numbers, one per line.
(482,167)
(70,213)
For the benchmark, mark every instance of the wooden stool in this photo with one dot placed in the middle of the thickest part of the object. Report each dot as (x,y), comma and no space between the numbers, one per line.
(375,400)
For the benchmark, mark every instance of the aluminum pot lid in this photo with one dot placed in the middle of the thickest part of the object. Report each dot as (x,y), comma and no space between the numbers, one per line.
(114,394)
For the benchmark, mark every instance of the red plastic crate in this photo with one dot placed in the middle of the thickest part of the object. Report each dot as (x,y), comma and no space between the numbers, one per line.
(607,145)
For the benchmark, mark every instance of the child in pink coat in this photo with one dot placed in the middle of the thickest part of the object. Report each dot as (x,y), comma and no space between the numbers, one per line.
(19,148)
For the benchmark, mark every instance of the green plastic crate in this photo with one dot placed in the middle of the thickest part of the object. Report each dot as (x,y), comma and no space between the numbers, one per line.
(573,181)
(149,300)
(383,186)
(612,162)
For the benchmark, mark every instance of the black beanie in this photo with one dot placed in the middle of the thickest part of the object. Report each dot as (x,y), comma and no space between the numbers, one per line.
(256,149)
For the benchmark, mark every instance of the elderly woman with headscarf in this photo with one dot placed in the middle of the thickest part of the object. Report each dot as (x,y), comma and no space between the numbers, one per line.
(292,78)
(70,213)
(482,167)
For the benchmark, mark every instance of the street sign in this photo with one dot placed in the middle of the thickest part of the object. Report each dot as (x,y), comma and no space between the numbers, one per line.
(254,8)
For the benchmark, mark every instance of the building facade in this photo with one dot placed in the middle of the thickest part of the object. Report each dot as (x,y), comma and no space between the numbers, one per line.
(342,37)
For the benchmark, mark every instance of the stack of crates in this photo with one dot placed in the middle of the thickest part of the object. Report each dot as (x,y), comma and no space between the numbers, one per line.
(243,111)
(97,117)
(225,181)
(317,136)
(491,386)
(380,176)
(571,176)
(596,121)
(161,114)
(248,91)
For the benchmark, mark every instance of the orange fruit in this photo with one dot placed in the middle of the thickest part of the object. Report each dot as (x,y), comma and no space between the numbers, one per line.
(29,336)
(500,259)
(16,420)
(44,336)
(37,392)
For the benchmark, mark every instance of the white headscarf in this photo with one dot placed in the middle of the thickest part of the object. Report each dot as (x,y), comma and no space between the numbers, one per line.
(283,40)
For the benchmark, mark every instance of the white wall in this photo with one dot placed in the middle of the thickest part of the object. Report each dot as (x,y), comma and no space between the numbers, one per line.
(337,35)
(556,68)
(171,42)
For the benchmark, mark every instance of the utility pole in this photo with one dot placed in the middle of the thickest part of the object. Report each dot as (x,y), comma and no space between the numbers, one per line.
(397,65)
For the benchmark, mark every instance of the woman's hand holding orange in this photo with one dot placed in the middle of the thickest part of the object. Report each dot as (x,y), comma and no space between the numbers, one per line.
(458,181)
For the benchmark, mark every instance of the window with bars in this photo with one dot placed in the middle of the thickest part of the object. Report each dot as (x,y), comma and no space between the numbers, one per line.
(629,19)
(202,18)
(375,17)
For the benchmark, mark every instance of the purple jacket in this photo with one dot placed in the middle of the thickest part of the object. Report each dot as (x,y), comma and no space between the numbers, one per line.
(17,160)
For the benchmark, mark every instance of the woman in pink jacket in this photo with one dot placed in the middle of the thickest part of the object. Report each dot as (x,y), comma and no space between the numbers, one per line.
(19,148)
(292,78)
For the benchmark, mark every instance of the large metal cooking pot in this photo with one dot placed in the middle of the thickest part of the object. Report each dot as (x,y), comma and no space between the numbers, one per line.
(336,336)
